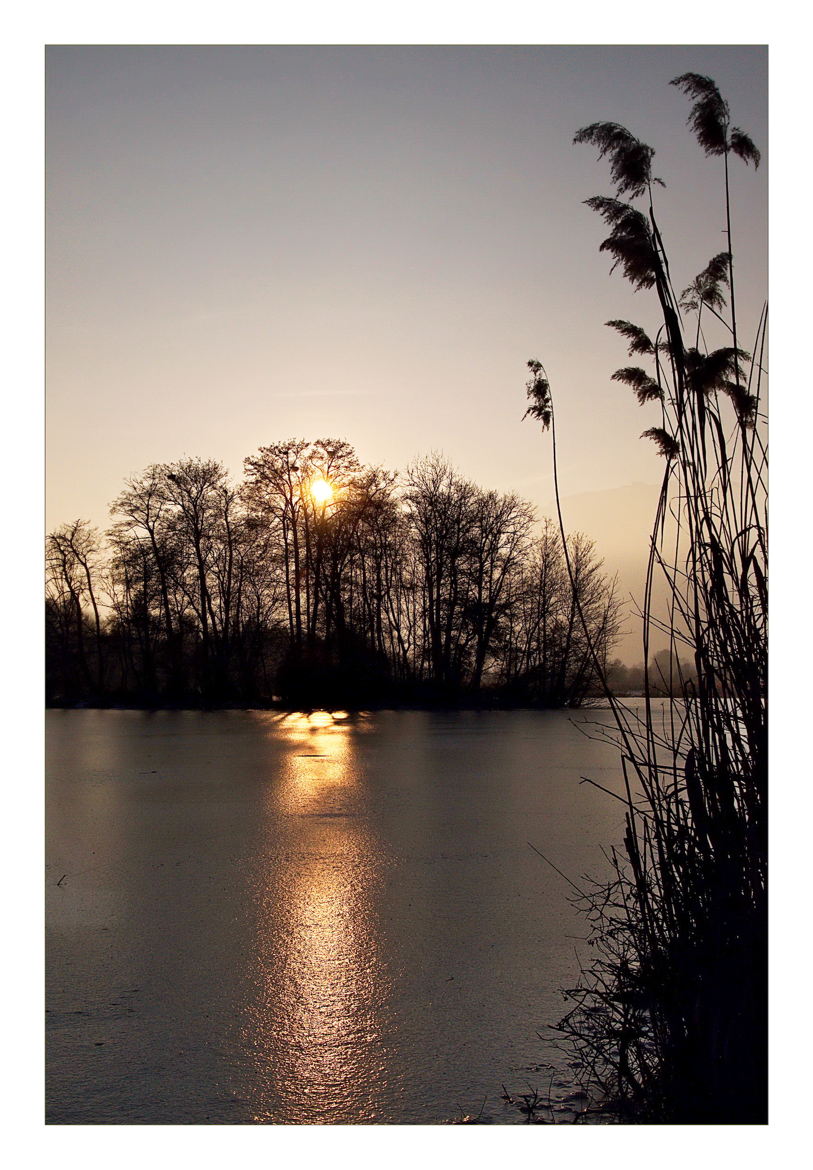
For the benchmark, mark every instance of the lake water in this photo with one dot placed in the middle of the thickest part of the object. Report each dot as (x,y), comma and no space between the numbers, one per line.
(255,917)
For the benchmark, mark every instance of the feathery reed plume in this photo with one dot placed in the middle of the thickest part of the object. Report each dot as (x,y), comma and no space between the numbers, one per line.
(670,1020)
(743,147)
(630,159)
(639,342)
(630,241)
(707,286)
(667,445)
(712,371)
(710,119)
(538,392)
(646,388)
(709,115)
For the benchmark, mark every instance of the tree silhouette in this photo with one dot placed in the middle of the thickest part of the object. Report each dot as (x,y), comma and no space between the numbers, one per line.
(409,590)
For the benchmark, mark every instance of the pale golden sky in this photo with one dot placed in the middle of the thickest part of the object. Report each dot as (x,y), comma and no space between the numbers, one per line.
(249,244)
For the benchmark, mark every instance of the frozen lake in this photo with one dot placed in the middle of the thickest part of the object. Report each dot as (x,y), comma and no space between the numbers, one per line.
(255,917)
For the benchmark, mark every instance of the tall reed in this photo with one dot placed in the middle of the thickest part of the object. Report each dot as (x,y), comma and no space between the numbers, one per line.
(670,1019)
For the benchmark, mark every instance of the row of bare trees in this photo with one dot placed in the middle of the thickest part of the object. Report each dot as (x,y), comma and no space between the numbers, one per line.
(419,587)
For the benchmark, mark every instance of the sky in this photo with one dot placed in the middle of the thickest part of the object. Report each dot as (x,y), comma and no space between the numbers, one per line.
(247,244)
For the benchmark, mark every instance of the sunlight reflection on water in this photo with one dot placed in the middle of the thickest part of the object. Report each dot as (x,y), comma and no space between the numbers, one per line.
(312,918)
(324,980)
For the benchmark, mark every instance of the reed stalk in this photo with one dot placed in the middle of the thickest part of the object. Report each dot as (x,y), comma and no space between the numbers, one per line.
(670,1019)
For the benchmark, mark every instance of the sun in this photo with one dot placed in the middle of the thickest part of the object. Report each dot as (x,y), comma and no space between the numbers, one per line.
(321,491)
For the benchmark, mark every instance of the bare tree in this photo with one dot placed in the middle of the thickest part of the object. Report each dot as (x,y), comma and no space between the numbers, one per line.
(552,661)
(73,553)
(439,505)
(199,498)
(499,535)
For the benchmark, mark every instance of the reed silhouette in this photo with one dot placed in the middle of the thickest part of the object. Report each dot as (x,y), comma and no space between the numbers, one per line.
(670,1020)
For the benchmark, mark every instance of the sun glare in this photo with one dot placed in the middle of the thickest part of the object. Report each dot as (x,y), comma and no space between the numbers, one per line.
(321,491)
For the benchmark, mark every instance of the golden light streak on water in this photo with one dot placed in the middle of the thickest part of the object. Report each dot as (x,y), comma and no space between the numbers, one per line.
(325,983)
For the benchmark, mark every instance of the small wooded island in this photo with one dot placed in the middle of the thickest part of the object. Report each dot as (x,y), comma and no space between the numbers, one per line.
(318,581)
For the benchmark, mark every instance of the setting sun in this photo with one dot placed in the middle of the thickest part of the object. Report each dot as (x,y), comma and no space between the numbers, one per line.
(321,491)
